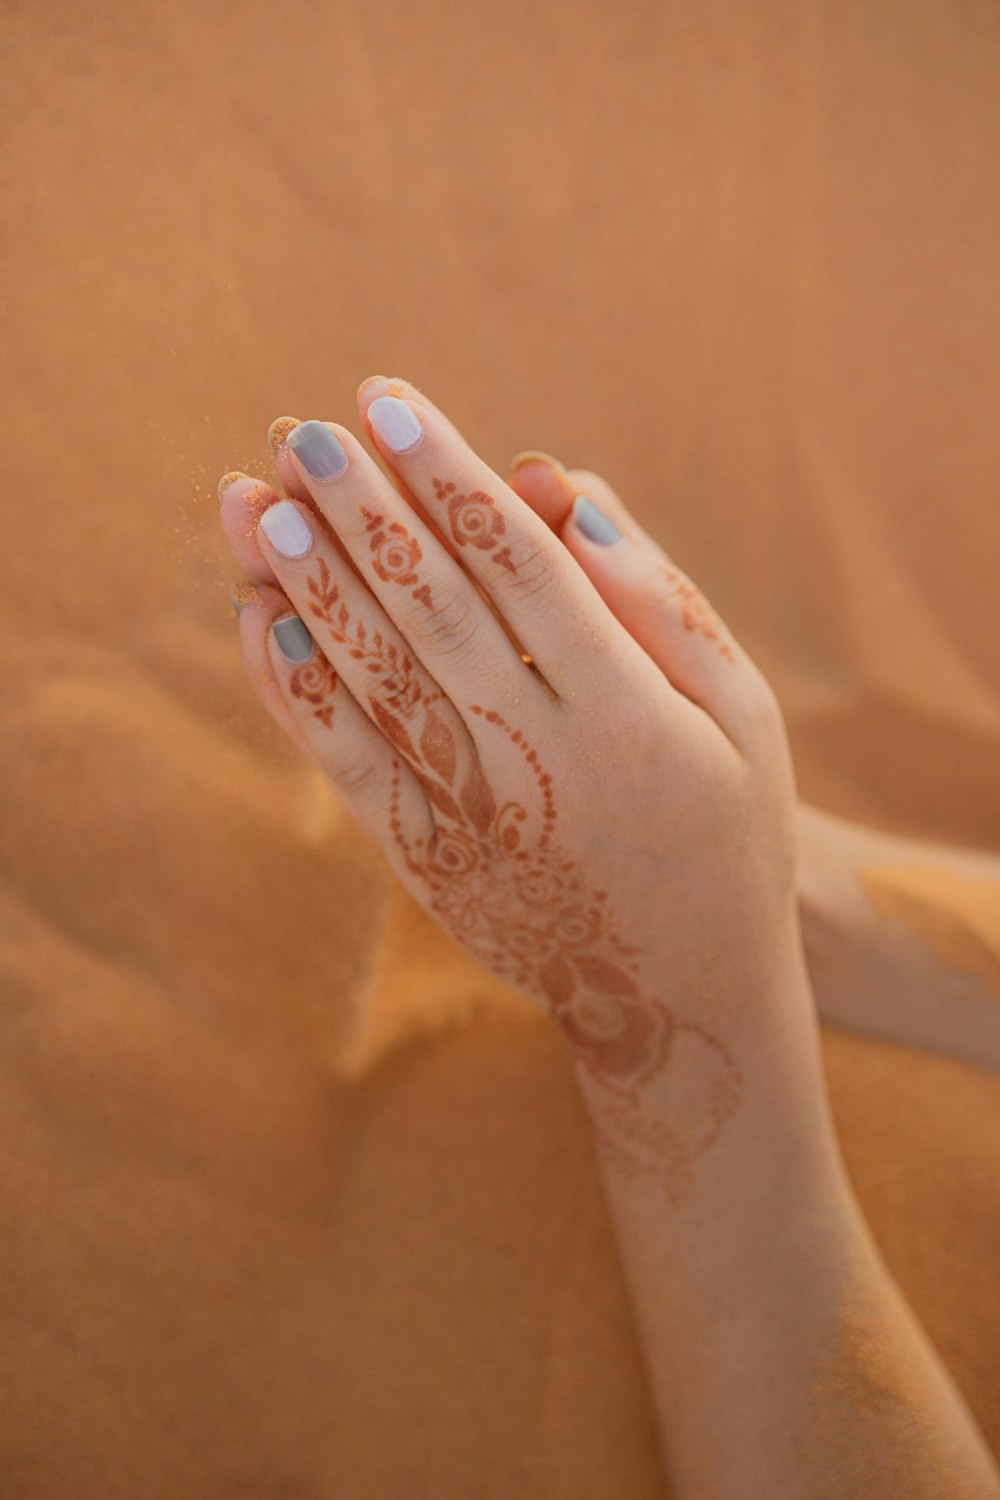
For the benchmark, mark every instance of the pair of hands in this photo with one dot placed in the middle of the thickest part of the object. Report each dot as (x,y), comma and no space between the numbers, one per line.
(566,757)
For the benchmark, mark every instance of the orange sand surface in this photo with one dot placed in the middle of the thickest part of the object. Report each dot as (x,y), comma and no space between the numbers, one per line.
(297,1202)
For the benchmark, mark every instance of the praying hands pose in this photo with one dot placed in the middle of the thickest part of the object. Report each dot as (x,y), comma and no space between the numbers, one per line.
(574,767)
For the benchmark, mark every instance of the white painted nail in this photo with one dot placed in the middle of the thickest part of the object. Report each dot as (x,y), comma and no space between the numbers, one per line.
(286,529)
(395,423)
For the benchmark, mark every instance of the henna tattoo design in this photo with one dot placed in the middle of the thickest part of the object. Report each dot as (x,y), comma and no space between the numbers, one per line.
(395,554)
(696,612)
(475,521)
(528,914)
(496,879)
(315,682)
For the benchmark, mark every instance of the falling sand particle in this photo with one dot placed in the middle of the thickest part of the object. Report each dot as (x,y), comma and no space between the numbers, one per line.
(279,430)
(956,916)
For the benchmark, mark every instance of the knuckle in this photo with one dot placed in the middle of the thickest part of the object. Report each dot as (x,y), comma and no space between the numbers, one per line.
(535,573)
(450,627)
(763,709)
(356,778)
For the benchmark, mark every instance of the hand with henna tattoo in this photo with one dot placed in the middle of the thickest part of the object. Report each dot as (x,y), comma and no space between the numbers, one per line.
(611,830)
(593,833)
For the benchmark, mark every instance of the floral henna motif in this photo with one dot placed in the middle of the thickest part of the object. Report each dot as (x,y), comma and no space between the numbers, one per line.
(696,612)
(475,521)
(315,682)
(526,912)
(395,554)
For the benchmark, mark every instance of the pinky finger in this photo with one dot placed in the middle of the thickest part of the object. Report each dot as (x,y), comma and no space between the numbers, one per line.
(303,693)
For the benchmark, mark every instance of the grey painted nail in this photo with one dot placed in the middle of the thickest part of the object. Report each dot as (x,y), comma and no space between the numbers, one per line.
(319,451)
(293,638)
(594,523)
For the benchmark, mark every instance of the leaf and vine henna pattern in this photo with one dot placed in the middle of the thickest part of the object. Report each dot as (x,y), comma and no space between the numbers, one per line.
(696,612)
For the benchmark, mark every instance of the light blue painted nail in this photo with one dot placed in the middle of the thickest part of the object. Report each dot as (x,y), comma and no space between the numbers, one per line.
(594,523)
(293,638)
(319,450)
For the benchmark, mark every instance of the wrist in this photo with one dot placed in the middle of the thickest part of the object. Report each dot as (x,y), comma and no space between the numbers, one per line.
(713,1089)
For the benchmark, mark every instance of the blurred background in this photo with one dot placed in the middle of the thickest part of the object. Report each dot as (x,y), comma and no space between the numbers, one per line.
(296,1201)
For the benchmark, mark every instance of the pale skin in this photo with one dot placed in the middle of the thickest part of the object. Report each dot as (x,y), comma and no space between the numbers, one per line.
(611,826)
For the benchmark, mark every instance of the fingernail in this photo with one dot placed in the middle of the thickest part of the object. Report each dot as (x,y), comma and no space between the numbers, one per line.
(536,456)
(287,529)
(230,478)
(318,450)
(395,423)
(293,638)
(279,429)
(594,523)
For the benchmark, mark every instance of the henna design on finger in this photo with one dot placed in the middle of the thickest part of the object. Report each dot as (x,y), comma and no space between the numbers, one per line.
(400,686)
(315,682)
(696,612)
(475,521)
(395,554)
(403,709)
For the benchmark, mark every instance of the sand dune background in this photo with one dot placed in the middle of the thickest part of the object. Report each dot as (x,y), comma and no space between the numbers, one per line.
(295,1201)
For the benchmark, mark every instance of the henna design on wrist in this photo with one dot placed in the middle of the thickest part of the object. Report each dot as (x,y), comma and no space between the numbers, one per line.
(527,913)
(696,612)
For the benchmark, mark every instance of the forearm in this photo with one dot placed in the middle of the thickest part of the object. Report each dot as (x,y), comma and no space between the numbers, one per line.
(902,937)
(782,1360)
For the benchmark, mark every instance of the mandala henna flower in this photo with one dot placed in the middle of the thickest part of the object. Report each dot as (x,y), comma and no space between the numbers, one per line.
(395,553)
(475,520)
(314,682)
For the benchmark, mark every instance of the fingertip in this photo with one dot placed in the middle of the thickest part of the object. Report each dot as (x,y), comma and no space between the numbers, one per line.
(535,456)
(243,504)
(375,386)
(541,482)
(279,429)
(228,480)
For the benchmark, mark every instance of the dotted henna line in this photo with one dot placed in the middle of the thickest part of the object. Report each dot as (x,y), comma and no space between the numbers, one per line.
(531,756)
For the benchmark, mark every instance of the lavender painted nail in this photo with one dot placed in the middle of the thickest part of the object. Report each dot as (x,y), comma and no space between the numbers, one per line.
(395,423)
(594,524)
